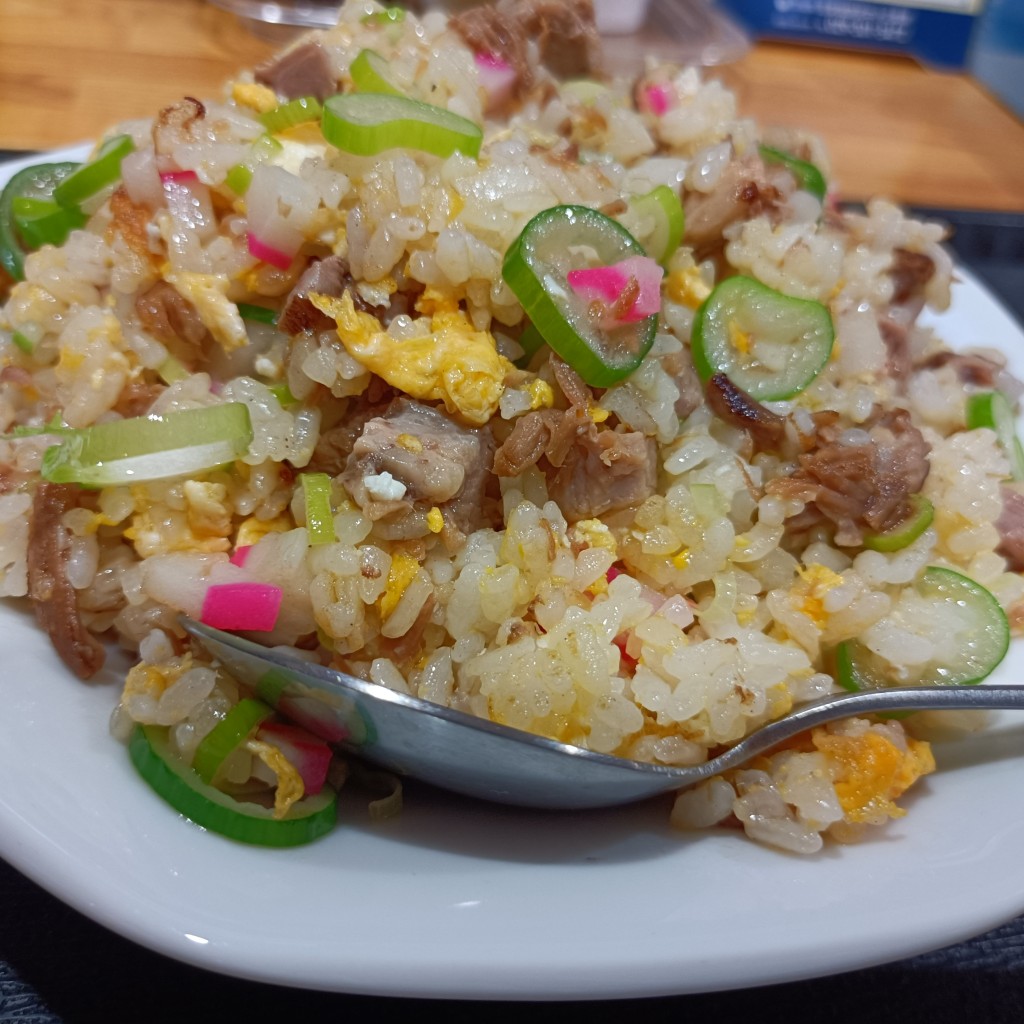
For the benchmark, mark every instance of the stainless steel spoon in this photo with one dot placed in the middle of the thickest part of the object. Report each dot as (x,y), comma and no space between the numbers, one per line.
(478,758)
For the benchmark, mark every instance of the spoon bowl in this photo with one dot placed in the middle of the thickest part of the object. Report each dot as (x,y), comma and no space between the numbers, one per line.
(479,758)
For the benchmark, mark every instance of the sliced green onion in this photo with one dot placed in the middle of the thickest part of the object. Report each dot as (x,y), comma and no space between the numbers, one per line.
(45,222)
(103,170)
(171,370)
(656,220)
(24,343)
(35,182)
(150,447)
(228,735)
(389,16)
(259,314)
(922,514)
(292,113)
(531,341)
(370,73)
(769,344)
(807,175)
(366,123)
(280,390)
(992,409)
(536,268)
(982,635)
(211,808)
(239,177)
(316,491)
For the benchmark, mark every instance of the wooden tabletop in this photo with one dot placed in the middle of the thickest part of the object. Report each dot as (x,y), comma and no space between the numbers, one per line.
(69,69)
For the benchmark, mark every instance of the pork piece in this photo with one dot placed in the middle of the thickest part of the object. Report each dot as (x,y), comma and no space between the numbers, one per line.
(434,462)
(862,480)
(304,71)
(590,471)
(910,272)
(325,277)
(564,32)
(1010,525)
(743,191)
(53,597)
(166,314)
(896,337)
(733,405)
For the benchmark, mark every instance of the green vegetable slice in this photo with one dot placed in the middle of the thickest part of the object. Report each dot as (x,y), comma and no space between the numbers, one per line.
(389,16)
(973,625)
(227,736)
(367,123)
(239,177)
(258,314)
(992,409)
(149,447)
(769,344)
(35,182)
(44,222)
(241,820)
(908,531)
(24,343)
(103,170)
(298,111)
(370,73)
(657,221)
(555,242)
(316,491)
(807,175)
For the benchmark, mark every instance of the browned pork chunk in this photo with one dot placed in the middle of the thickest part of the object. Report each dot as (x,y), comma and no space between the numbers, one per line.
(1011,530)
(53,597)
(862,480)
(414,458)
(590,471)
(733,405)
(303,71)
(564,32)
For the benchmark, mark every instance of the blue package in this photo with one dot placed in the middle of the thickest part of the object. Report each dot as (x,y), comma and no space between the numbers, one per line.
(936,32)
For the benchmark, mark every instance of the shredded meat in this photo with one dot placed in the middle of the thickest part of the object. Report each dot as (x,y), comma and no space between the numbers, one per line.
(564,32)
(166,314)
(326,277)
(304,71)
(137,397)
(910,272)
(742,191)
(861,481)
(1011,530)
(733,405)
(896,336)
(53,597)
(437,462)
(589,471)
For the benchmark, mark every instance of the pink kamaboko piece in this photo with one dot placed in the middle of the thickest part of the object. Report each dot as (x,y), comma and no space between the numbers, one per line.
(606,285)
(267,253)
(244,606)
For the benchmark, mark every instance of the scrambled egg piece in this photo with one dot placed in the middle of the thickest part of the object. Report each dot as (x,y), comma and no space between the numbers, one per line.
(402,572)
(435,520)
(252,529)
(203,525)
(592,533)
(220,316)
(454,363)
(290,787)
(687,287)
(260,98)
(871,770)
(815,582)
(152,680)
(542,394)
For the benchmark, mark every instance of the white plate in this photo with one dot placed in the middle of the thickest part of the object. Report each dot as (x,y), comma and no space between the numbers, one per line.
(457,899)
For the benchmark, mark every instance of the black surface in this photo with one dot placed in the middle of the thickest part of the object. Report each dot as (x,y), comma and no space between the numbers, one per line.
(58,967)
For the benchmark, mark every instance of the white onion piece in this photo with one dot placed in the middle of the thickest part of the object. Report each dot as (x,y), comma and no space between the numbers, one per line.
(141,178)
(189,203)
(280,207)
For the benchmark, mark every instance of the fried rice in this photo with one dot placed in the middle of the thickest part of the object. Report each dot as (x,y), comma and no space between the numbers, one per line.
(651,568)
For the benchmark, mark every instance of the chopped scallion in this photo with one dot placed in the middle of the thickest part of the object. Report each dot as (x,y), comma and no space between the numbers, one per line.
(97,174)
(316,490)
(45,222)
(150,447)
(292,113)
(370,73)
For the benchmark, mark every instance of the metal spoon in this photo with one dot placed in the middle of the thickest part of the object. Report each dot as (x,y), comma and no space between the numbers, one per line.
(478,758)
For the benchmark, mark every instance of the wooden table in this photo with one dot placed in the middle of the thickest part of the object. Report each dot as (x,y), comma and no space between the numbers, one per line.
(69,69)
